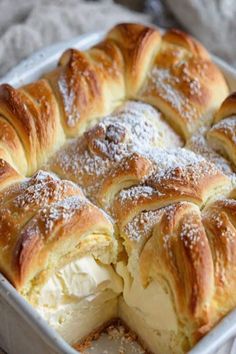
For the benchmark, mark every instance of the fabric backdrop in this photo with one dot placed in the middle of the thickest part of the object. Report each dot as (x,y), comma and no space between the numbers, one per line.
(27,25)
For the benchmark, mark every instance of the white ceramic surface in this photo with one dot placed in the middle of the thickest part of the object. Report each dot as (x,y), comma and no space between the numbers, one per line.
(22,330)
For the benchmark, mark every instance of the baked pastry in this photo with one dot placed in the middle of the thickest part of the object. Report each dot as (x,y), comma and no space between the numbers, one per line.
(222,135)
(130,130)
(133,214)
(56,249)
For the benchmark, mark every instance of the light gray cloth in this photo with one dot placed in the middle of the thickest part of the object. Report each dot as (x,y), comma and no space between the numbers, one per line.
(213,22)
(28,25)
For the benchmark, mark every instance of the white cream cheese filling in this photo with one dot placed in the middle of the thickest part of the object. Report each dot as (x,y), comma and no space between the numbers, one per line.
(84,295)
(153,303)
(79,298)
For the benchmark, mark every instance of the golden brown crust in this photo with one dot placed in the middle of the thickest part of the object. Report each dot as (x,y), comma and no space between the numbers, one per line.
(179,252)
(130,63)
(11,147)
(184,83)
(14,108)
(50,134)
(227,108)
(41,221)
(220,221)
(171,71)
(192,254)
(86,88)
(182,39)
(19,203)
(108,149)
(57,234)
(138,44)
(152,181)
(132,170)
(196,181)
(8,175)
(222,135)
(32,112)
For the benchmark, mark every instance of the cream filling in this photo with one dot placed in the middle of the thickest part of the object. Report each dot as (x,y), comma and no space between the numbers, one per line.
(153,303)
(79,298)
(158,342)
(83,295)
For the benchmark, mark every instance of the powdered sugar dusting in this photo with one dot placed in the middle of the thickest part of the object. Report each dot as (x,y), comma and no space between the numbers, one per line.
(134,193)
(173,165)
(39,189)
(140,227)
(89,159)
(68,95)
(166,85)
(224,237)
(62,211)
(227,126)
(221,223)
(190,233)
(147,126)
(199,145)
(180,164)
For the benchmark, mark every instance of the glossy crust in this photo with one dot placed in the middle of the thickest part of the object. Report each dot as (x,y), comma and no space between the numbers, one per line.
(132,170)
(88,85)
(227,108)
(8,175)
(190,254)
(11,148)
(174,184)
(139,45)
(219,221)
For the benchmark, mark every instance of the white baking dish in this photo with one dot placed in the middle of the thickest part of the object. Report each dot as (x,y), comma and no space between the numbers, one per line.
(22,330)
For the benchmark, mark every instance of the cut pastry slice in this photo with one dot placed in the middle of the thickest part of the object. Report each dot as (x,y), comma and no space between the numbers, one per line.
(57,249)
(180,274)
(80,298)
(168,279)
